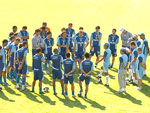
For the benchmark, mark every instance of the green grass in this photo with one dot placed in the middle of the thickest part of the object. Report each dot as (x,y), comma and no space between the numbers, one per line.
(132,14)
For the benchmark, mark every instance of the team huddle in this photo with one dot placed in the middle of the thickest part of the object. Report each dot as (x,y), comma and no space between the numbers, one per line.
(71,56)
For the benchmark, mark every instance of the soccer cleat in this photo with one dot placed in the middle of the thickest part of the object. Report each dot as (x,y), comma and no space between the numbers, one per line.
(73,96)
(55,93)
(99,80)
(145,75)
(107,85)
(17,86)
(6,84)
(95,66)
(23,88)
(79,94)
(138,88)
(85,96)
(41,92)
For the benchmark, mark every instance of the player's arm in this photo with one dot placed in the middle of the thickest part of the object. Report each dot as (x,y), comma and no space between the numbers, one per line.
(121,62)
(90,70)
(73,69)
(1,54)
(87,42)
(23,60)
(141,62)
(135,58)
(117,41)
(109,39)
(81,68)
(75,45)
(58,43)
(91,40)
(99,35)
(105,54)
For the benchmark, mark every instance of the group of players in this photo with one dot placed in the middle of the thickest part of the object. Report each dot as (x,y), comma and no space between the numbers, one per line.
(132,59)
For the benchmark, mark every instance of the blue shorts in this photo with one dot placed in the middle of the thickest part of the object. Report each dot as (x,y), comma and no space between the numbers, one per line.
(11,62)
(96,51)
(71,47)
(48,56)
(79,55)
(87,79)
(140,74)
(69,78)
(23,70)
(105,67)
(38,75)
(2,67)
(57,74)
(114,52)
(134,68)
(63,54)
(17,65)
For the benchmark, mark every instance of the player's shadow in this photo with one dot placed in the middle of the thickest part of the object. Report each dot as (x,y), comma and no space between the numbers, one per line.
(146,78)
(145,89)
(126,96)
(71,103)
(47,81)
(94,104)
(96,73)
(114,69)
(4,97)
(30,68)
(11,91)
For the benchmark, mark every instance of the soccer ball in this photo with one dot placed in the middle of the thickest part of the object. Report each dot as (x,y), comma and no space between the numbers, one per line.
(46,89)
(79,94)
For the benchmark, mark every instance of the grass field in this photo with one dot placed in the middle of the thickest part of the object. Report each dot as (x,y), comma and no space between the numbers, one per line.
(132,14)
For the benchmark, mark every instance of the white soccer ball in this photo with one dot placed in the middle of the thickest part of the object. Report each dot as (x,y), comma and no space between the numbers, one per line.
(46,89)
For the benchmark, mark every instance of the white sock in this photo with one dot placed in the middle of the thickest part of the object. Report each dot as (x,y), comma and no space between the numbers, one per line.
(124,89)
(130,74)
(120,90)
(107,78)
(101,72)
(23,86)
(144,72)
(136,81)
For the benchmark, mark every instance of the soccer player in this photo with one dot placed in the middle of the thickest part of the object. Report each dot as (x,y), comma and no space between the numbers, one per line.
(137,42)
(80,44)
(86,68)
(141,67)
(123,66)
(44,24)
(69,68)
(70,33)
(3,62)
(113,40)
(95,42)
(106,63)
(145,48)
(62,30)
(22,69)
(12,56)
(38,71)
(43,33)
(63,44)
(49,43)
(56,70)
(24,34)
(14,29)
(10,35)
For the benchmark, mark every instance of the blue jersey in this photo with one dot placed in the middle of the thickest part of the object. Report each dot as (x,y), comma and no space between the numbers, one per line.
(134,55)
(56,61)
(107,54)
(22,52)
(3,54)
(9,45)
(113,40)
(48,45)
(86,65)
(13,49)
(123,59)
(63,41)
(45,35)
(70,32)
(138,43)
(68,65)
(144,47)
(37,60)
(84,34)
(80,42)
(140,60)
(23,33)
(95,41)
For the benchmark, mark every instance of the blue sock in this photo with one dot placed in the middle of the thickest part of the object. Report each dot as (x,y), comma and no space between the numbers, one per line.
(15,74)
(48,62)
(0,79)
(85,95)
(40,90)
(11,74)
(63,90)
(81,88)
(8,75)
(45,66)
(5,80)
(17,79)
(72,92)
(23,80)
(73,57)
(32,88)
(112,64)
(66,93)
(54,90)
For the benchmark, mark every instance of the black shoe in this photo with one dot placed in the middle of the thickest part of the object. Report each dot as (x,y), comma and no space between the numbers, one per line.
(32,91)
(106,85)
(63,93)
(55,93)
(145,75)
(41,92)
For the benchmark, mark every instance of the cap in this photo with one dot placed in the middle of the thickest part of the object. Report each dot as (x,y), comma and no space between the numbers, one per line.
(122,29)
(130,39)
(135,35)
(141,34)
(106,44)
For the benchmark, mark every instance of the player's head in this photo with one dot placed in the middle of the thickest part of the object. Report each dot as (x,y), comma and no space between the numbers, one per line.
(81,33)
(64,34)
(16,34)
(12,38)
(70,25)
(139,50)
(37,32)
(87,55)
(142,36)
(38,51)
(123,30)
(11,34)
(63,29)
(25,44)
(132,44)
(24,28)
(67,55)
(97,28)
(14,28)
(5,42)
(122,50)
(81,29)
(135,37)
(17,40)
(106,45)
(55,50)
(43,28)
(44,24)
(49,34)
(20,45)
(114,31)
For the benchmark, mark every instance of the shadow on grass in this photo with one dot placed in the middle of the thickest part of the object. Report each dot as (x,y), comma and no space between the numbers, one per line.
(4,97)
(145,89)
(11,91)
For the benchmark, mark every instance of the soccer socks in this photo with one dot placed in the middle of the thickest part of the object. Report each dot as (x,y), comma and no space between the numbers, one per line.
(72,93)
(46,66)
(8,75)
(40,89)
(11,74)
(5,81)
(0,79)
(85,95)
(15,74)
(101,72)
(54,90)
(23,80)
(62,90)
(107,79)
(81,89)
(66,93)
(73,57)
(32,88)
(130,74)
(17,79)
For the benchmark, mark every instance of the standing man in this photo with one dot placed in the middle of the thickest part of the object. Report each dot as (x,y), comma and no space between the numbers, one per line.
(44,24)
(123,65)
(145,49)
(95,42)
(24,34)
(136,40)
(43,32)
(113,40)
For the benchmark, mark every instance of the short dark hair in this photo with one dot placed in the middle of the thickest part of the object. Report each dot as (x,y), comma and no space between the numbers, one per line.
(48,33)
(25,43)
(38,50)
(12,37)
(139,49)
(87,55)
(14,27)
(114,29)
(81,28)
(70,24)
(63,29)
(133,43)
(11,33)
(55,50)
(37,30)
(67,55)
(20,45)
(24,27)
(97,27)
(44,23)
(5,41)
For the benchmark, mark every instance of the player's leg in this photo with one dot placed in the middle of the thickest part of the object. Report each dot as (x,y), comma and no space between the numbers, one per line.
(140,76)
(87,81)
(71,80)
(62,85)
(34,80)
(8,69)
(54,86)
(0,77)
(124,80)
(81,79)
(105,67)
(4,77)
(40,86)
(23,81)
(145,58)
(97,52)
(120,81)
(100,75)
(66,84)
(18,79)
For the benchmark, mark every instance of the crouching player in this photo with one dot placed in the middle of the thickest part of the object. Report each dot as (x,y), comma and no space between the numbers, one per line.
(123,64)
(106,63)
(69,68)
(56,70)
(141,67)
(86,68)
(37,67)
(22,69)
